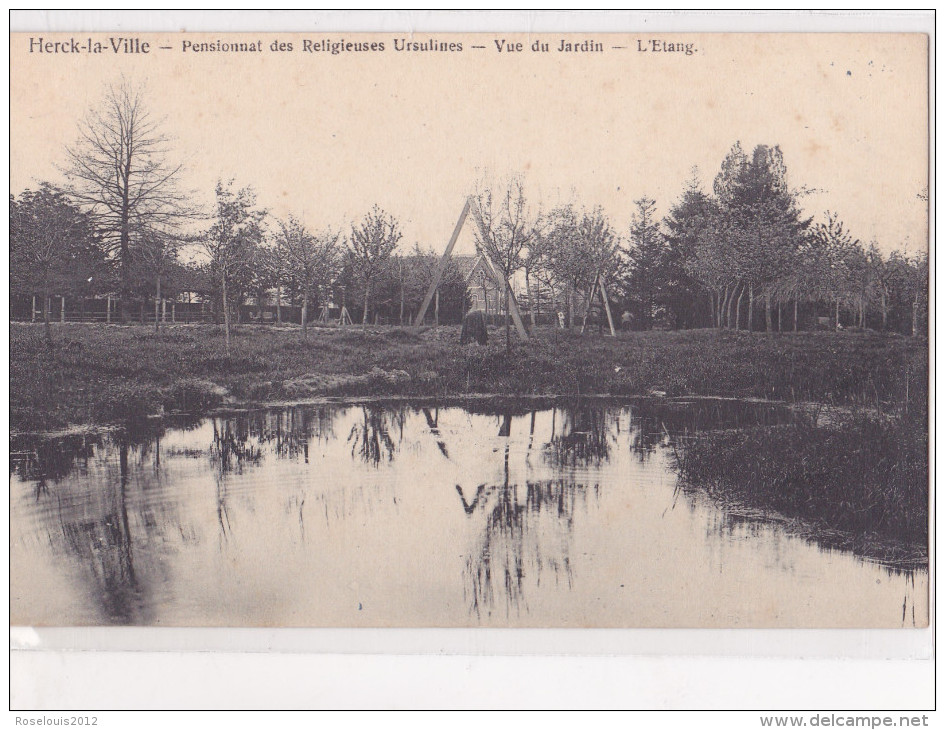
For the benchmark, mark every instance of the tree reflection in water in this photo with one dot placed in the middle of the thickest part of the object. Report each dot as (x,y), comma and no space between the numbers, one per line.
(289,431)
(102,517)
(370,438)
(584,440)
(520,541)
(527,530)
(231,450)
(525,534)
(44,460)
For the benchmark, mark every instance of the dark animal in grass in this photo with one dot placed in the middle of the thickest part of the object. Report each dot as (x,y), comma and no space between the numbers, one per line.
(595,318)
(474,328)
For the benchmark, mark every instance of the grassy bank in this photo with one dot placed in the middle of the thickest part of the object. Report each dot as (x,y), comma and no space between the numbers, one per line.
(864,476)
(97,374)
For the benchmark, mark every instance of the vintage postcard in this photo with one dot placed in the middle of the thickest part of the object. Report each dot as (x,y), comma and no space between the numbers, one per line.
(469,330)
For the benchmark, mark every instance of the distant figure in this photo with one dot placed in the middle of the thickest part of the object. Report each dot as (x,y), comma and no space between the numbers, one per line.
(474,328)
(625,321)
(561,320)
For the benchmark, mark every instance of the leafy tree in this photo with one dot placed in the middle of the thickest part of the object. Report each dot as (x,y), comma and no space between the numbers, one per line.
(266,273)
(881,275)
(581,246)
(832,262)
(567,267)
(917,288)
(645,256)
(52,243)
(314,260)
(370,247)
(687,223)
(598,246)
(157,256)
(716,266)
(232,242)
(762,220)
(535,261)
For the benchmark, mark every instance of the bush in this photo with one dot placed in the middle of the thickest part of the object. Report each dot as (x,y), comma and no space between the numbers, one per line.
(193,395)
(126,403)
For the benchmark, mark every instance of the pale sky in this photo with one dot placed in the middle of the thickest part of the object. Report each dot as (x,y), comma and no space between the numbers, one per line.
(327,136)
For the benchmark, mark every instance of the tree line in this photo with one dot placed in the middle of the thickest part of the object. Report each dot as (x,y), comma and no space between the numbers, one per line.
(742,256)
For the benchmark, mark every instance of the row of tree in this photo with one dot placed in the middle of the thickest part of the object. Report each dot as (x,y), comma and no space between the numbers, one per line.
(58,248)
(748,243)
(730,258)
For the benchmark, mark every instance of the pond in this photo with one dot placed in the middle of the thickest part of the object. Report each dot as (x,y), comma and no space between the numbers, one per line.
(410,514)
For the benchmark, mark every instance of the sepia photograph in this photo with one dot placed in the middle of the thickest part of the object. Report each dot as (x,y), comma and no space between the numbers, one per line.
(480,330)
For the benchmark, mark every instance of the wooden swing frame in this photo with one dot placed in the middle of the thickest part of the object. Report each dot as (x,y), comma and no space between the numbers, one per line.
(500,281)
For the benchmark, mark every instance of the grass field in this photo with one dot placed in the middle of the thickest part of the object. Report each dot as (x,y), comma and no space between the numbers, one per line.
(101,374)
(860,468)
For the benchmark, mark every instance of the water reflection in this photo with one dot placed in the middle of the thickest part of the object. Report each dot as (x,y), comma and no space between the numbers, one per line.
(370,437)
(289,431)
(583,440)
(318,515)
(84,513)
(42,460)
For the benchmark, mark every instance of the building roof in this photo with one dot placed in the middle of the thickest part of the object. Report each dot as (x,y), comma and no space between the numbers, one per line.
(466,264)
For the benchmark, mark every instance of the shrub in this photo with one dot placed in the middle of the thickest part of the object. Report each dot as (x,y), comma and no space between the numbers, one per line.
(123,402)
(193,395)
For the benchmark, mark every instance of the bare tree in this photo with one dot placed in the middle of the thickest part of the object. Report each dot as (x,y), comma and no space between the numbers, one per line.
(370,247)
(118,171)
(313,260)
(509,227)
(534,261)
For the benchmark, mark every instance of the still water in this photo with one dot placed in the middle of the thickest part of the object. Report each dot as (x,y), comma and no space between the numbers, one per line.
(413,515)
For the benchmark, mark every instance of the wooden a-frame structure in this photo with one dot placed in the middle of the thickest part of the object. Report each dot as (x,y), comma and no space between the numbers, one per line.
(472,206)
(344,318)
(598,286)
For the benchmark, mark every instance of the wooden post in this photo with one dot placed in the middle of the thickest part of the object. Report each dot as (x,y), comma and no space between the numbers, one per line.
(441,265)
(33,310)
(174,311)
(610,318)
(108,310)
(62,310)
